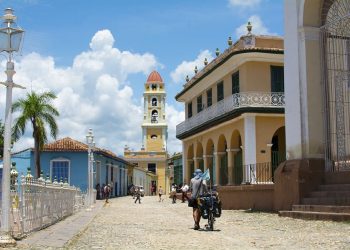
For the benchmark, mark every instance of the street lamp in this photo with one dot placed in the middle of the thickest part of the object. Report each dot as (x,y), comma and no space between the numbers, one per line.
(91,144)
(10,42)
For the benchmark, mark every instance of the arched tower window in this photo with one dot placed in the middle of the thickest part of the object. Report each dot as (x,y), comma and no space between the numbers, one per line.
(154,102)
(154,86)
(154,118)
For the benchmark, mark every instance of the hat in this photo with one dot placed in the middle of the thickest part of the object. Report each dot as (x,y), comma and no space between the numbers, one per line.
(197,172)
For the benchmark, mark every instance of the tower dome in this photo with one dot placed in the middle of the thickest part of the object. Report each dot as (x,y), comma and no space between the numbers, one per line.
(154,77)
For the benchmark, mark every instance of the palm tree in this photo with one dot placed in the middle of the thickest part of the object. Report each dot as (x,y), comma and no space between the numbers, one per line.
(37,109)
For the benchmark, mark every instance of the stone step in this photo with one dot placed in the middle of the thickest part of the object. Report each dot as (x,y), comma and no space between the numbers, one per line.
(340,177)
(315,215)
(321,208)
(330,194)
(334,187)
(340,201)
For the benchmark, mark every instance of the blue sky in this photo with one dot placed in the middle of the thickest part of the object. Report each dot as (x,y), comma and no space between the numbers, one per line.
(171,31)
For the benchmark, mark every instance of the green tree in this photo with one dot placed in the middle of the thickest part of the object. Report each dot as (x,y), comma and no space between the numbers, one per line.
(38,110)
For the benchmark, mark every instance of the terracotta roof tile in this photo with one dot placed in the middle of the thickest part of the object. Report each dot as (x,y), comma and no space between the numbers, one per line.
(69,144)
(154,77)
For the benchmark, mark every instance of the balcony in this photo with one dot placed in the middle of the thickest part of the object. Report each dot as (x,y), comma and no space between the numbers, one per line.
(230,104)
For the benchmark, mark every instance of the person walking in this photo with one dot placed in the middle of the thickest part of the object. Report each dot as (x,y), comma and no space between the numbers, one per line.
(138,195)
(173,193)
(107,191)
(160,193)
(184,190)
(198,187)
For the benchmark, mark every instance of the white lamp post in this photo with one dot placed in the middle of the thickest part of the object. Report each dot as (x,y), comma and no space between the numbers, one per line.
(91,144)
(10,42)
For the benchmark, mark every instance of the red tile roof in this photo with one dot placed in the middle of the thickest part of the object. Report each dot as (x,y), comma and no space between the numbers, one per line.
(154,77)
(69,144)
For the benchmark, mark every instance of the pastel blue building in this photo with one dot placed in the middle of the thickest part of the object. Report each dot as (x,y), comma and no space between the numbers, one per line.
(68,159)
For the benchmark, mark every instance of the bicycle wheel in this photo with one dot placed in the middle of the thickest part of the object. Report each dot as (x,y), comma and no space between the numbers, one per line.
(211,220)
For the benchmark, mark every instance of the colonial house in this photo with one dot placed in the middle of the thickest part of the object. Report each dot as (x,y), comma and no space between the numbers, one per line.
(234,108)
(67,159)
(175,168)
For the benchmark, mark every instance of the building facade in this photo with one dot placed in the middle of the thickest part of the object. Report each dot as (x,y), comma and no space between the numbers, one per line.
(153,154)
(234,108)
(67,159)
(175,168)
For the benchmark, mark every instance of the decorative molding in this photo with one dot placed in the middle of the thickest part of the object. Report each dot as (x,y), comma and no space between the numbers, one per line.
(230,104)
(308,33)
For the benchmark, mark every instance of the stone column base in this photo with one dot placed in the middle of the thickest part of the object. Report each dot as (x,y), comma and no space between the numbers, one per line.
(294,179)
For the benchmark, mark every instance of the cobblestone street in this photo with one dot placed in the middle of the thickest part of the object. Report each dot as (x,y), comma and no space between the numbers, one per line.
(121,224)
(153,225)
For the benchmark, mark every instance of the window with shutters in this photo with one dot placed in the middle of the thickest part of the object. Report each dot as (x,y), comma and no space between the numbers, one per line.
(209,97)
(235,83)
(199,104)
(189,110)
(277,79)
(220,91)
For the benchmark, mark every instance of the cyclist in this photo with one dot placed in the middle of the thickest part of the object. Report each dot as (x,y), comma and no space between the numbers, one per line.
(198,187)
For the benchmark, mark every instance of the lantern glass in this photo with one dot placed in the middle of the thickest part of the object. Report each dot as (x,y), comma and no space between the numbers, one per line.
(10,39)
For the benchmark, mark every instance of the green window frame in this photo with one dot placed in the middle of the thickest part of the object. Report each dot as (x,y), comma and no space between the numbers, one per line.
(199,104)
(235,83)
(277,79)
(220,91)
(189,110)
(209,97)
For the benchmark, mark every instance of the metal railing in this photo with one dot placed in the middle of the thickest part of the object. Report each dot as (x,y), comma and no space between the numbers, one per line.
(235,101)
(39,203)
(259,173)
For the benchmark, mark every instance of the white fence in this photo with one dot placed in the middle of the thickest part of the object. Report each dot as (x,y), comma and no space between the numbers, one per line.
(37,204)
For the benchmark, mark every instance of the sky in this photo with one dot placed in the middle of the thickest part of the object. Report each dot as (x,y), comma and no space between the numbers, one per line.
(96,56)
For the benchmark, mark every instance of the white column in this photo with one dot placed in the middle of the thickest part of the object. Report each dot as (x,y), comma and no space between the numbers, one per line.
(249,144)
(303,90)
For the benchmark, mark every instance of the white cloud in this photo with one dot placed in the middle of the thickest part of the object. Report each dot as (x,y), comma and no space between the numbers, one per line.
(258,27)
(244,3)
(92,93)
(173,118)
(187,67)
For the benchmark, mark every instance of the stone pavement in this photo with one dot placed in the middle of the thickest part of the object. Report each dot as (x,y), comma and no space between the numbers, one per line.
(121,224)
(59,234)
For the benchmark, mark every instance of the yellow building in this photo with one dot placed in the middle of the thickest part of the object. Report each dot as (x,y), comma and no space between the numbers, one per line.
(234,109)
(153,153)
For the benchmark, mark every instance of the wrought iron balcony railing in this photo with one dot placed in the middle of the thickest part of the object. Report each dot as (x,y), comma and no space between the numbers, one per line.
(235,101)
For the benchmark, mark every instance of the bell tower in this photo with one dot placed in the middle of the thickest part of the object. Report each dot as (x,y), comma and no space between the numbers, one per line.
(154,126)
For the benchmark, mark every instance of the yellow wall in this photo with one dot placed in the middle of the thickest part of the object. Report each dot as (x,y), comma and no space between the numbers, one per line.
(265,129)
(154,144)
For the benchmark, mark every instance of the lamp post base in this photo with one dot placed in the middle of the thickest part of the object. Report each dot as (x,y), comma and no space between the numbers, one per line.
(6,240)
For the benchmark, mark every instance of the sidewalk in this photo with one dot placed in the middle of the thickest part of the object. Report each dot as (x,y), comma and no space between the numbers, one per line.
(62,232)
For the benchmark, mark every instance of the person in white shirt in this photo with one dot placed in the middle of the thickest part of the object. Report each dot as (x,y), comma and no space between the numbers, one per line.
(184,190)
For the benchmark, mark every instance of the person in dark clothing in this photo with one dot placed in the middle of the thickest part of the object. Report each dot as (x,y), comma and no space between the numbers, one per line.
(138,195)
(98,194)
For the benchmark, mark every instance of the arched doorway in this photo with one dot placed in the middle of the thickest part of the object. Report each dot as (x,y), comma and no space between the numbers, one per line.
(222,154)
(209,154)
(236,149)
(278,148)
(335,35)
